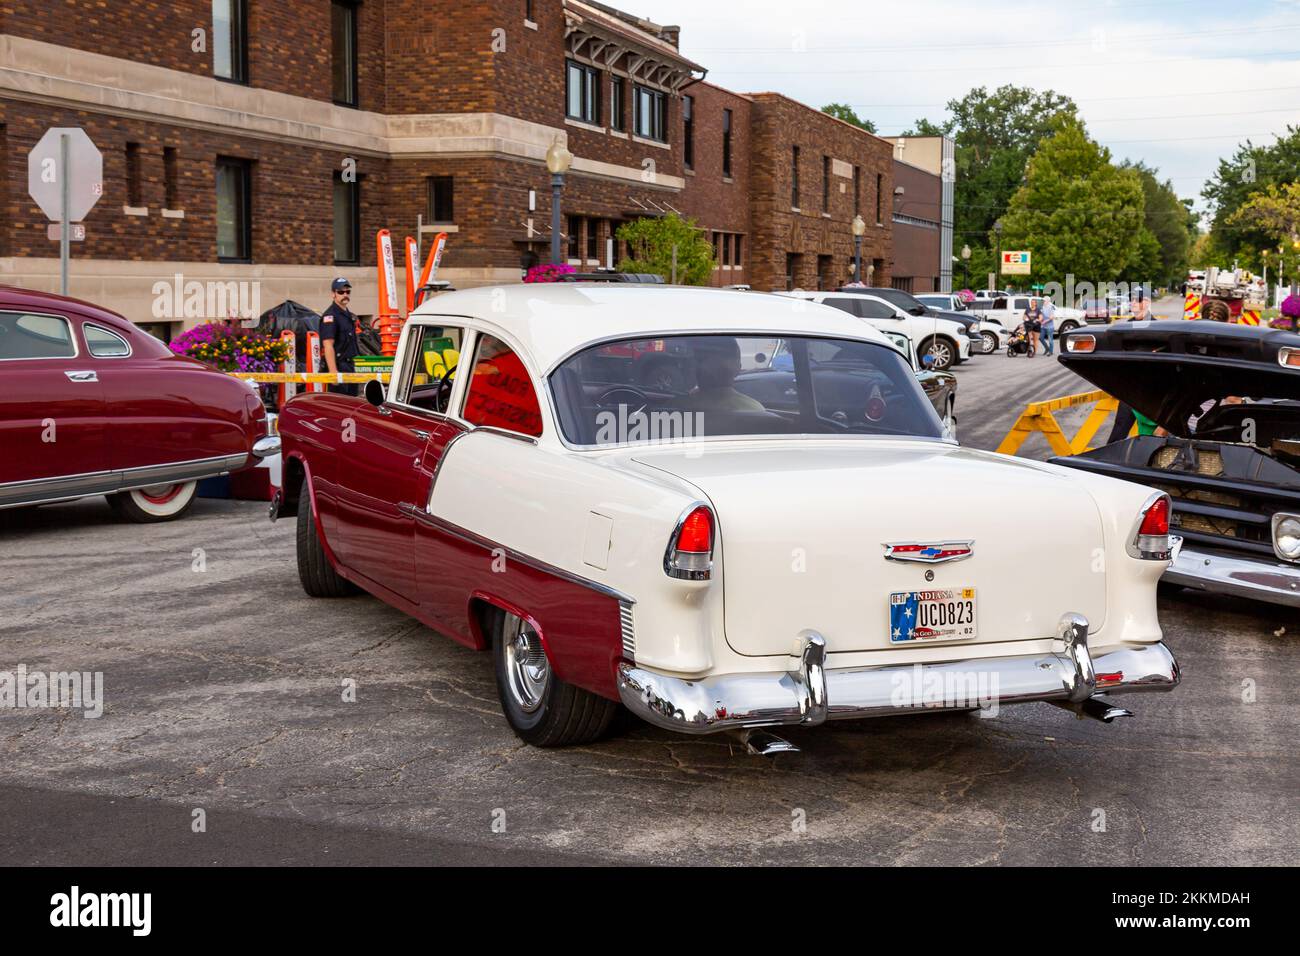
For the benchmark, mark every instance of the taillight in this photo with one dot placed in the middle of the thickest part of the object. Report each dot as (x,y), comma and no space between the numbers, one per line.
(1080,343)
(690,548)
(1151,543)
(1288,357)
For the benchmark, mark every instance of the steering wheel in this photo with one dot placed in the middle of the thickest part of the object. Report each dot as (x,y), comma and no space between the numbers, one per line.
(442,396)
(622,395)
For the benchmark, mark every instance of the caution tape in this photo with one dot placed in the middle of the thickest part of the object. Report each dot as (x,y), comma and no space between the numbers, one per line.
(1038,417)
(312,378)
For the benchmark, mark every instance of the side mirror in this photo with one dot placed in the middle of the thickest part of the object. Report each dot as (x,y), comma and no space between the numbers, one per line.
(375,393)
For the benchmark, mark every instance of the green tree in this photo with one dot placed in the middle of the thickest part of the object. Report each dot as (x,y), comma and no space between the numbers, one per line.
(1076,212)
(923,127)
(1249,171)
(1275,214)
(653,242)
(995,134)
(1170,221)
(842,111)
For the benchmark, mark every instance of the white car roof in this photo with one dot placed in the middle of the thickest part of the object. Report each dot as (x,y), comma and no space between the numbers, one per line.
(552,320)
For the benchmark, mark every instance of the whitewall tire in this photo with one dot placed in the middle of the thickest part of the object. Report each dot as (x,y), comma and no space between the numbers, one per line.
(155,503)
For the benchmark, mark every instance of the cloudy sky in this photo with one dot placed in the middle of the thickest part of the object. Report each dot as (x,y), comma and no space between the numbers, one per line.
(1176,83)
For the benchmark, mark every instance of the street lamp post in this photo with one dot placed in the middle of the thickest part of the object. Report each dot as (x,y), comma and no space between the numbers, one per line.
(965,266)
(859,230)
(997,232)
(557,161)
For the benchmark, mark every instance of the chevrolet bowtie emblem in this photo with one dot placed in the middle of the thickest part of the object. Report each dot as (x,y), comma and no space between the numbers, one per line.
(930,552)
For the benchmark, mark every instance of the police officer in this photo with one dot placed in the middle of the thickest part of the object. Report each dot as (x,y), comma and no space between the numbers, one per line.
(338,335)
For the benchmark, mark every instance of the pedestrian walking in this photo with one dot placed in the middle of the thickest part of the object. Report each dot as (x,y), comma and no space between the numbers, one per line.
(1049,324)
(1033,325)
(1141,308)
(338,335)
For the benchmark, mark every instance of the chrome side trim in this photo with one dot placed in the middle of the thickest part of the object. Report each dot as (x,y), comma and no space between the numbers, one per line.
(1258,579)
(442,459)
(505,433)
(71,487)
(809,694)
(629,632)
(464,534)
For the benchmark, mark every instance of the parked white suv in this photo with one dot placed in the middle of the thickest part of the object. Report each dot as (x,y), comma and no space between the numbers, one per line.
(942,339)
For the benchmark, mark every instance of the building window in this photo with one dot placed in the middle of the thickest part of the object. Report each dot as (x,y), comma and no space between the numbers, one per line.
(792,268)
(857,190)
(794,177)
(617,116)
(735,252)
(134,194)
(583,93)
(726,248)
(593,239)
(347,221)
(826,184)
(575,237)
(529,14)
(440,200)
(880,186)
(650,119)
(234,210)
(688,131)
(343,51)
(171,178)
(230,40)
(726,143)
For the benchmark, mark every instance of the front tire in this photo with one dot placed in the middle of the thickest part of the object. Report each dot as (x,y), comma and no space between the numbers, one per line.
(950,418)
(155,503)
(990,342)
(318,577)
(941,350)
(539,707)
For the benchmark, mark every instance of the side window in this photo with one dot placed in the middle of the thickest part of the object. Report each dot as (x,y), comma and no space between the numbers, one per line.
(501,394)
(429,367)
(1022,304)
(25,336)
(871,309)
(843,304)
(1000,303)
(103,343)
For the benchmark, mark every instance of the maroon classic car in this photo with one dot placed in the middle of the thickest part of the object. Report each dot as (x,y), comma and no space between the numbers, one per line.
(92,405)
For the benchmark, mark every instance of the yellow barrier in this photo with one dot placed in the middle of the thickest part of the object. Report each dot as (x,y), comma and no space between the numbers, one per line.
(1037,417)
(305,378)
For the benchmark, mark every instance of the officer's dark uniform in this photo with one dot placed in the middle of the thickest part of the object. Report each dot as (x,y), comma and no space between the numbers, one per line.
(340,327)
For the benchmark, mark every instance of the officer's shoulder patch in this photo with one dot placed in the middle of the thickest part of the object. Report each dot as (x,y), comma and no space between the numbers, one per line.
(327,318)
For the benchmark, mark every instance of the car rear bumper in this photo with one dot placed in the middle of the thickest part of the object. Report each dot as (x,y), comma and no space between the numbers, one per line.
(1259,579)
(811,694)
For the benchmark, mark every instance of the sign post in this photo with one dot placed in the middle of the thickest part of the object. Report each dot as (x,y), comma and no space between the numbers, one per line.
(65,177)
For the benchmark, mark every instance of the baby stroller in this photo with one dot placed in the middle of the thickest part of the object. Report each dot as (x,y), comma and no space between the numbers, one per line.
(1019,343)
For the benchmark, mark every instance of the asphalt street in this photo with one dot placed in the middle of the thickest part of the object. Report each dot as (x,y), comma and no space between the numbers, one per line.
(224,693)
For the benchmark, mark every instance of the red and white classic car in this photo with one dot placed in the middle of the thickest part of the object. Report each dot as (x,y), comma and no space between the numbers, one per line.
(724,511)
(92,405)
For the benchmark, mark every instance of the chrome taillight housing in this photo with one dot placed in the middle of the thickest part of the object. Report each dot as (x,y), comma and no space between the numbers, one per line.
(689,555)
(1151,540)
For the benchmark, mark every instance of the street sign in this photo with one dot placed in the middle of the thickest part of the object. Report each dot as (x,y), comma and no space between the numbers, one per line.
(85,179)
(55,230)
(1015,263)
(65,177)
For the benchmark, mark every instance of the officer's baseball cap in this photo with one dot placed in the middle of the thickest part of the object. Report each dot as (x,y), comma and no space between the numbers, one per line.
(340,284)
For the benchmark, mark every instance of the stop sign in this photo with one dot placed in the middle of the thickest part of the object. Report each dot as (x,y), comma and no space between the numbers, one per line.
(85,174)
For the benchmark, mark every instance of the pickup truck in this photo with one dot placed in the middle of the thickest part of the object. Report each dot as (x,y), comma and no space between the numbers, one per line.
(1009,312)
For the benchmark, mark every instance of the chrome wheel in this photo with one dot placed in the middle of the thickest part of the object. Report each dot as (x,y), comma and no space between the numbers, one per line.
(941,354)
(527,671)
(990,343)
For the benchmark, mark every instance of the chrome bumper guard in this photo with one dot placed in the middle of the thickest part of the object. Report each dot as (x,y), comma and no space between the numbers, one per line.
(1260,579)
(809,694)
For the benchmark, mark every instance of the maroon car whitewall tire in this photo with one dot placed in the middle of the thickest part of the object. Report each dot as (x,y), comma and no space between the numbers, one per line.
(163,502)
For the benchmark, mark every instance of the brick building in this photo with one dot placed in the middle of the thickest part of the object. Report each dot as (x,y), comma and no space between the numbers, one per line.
(268,140)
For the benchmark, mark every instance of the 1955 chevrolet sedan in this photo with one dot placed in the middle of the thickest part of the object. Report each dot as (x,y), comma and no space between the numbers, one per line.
(725,511)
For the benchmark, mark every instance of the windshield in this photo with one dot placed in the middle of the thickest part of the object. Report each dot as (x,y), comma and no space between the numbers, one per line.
(714,386)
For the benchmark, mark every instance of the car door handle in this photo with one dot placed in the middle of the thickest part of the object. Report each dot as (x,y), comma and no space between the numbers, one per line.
(82,376)
(421,434)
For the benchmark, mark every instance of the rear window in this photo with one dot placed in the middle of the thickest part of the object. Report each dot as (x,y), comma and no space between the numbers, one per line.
(25,336)
(716,386)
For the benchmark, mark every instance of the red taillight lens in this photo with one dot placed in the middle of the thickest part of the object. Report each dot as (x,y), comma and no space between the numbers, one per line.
(690,549)
(696,535)
(1151,543)
(1081,343)
(1156,519)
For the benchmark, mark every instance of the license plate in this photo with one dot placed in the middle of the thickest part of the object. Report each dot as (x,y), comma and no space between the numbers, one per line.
(944,614)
